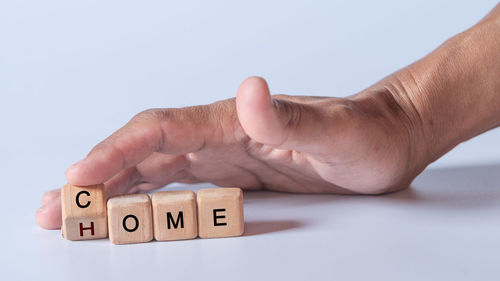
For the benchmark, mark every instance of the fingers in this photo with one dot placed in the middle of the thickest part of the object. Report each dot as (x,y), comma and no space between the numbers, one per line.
(49,215)
(172,131)
(256,112)
(154,172)
(122,182)
(160,168)
(50,195)
(288,122)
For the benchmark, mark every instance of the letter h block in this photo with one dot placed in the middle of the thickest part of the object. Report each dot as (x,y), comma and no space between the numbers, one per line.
(220,212)
(83,212)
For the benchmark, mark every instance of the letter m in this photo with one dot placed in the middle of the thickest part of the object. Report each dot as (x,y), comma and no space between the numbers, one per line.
(170,219)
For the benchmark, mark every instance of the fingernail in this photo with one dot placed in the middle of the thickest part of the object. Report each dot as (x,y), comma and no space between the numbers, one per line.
(76,164)
(48,193)
(74,167)
(40,210)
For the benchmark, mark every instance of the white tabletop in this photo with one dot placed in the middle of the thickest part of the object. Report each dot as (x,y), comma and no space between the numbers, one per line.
(73,72)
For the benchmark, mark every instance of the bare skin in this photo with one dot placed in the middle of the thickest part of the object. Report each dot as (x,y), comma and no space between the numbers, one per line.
(374,142)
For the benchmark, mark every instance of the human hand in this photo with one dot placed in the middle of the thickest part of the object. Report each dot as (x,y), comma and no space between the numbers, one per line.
(283,143)
(373,142)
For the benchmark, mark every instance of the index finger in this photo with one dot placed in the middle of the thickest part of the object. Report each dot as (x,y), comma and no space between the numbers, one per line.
(172,131)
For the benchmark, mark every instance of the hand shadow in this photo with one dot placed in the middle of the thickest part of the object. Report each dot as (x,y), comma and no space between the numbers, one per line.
(454,188)
(268,226)
(436,189)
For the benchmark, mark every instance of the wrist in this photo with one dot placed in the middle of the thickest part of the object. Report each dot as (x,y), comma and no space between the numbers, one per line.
(453,94)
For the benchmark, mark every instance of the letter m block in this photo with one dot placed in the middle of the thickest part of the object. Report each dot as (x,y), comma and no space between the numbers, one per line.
(83,212)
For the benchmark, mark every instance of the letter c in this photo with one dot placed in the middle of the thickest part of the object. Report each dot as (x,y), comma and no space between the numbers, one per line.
(78,199)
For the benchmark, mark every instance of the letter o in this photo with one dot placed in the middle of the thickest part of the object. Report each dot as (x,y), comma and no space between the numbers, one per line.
(124,222)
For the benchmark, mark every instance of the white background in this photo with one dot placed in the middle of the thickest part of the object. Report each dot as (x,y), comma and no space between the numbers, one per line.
(72,72)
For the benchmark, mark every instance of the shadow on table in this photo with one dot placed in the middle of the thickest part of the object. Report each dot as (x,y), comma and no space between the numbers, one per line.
(261,227)
(455,187)
(463,186)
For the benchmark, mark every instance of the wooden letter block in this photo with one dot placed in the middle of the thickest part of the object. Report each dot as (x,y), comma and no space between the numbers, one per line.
(130,219)
(174,215)
(83,212)
(220,212)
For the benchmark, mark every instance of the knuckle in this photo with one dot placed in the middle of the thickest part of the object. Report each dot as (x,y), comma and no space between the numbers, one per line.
(345,109)
(290,112)
(280,96)
(222,116)
(223,109)
(154,114)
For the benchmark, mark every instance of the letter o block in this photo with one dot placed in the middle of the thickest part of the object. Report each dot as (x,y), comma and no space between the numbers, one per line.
(174,215)
(130,219)
(220,212)
(83,212)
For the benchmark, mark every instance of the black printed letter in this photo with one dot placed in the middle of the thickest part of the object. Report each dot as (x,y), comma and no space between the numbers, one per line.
(180,218)
(78,199)
(125,223)
(219,217)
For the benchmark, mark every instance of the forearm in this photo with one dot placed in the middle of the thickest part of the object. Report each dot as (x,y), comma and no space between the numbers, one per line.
(453,94)
(460,87)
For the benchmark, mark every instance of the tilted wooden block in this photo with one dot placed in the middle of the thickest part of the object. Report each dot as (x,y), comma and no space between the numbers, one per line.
(130,219)
(83,212)
(220,212)
(174,215)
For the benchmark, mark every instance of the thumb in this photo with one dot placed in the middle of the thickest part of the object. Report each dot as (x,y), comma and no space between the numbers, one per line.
(286,122)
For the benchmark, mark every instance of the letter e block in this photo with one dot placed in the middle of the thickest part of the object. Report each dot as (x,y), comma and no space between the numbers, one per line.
(174,215)
(130,219)
(83,212)
(220,212)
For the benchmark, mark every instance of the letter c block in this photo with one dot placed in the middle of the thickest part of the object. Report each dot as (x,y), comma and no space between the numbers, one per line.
(83,212)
